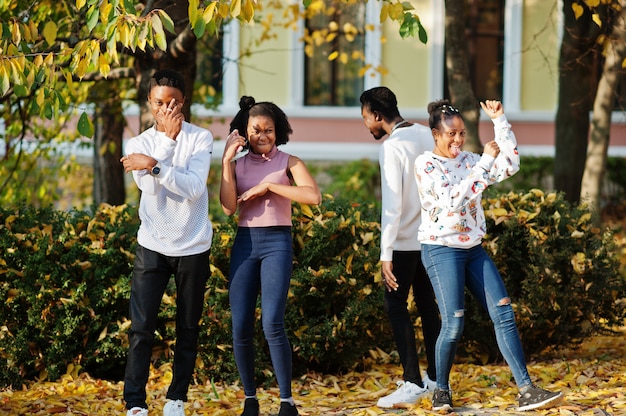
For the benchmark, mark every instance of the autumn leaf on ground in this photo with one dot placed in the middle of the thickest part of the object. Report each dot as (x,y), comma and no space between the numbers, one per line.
(592,378)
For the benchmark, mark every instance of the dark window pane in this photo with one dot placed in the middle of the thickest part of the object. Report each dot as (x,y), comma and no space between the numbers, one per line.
(484,28)
(336,82)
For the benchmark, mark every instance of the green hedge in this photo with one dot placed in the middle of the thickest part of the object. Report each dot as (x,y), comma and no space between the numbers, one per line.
(64,279)
(561,272)
(64,283)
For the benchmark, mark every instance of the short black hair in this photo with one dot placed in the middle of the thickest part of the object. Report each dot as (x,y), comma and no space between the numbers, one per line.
(382,100)
(167,78)
(248,107)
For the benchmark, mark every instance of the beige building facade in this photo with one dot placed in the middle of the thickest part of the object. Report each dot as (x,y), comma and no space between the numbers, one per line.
(514,53)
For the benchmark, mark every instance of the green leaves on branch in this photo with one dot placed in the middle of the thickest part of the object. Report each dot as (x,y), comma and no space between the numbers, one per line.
(85,126)
(44,53)
(210,18)
(410,24)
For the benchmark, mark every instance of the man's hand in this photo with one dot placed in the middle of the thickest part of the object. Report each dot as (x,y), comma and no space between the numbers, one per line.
(137,161)
(171,119)
(389,279)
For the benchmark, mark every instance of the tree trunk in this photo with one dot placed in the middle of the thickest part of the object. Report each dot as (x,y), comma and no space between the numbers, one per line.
(577,87)
(457,65)
(108,171)
(595,166)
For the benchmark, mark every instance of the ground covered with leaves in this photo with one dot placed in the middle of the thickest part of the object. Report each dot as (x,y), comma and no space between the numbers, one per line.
(592,378)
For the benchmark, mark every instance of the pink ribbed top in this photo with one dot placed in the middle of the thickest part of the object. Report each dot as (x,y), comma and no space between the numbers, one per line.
(270,209)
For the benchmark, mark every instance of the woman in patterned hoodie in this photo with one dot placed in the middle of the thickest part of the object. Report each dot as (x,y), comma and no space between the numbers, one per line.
(451,183)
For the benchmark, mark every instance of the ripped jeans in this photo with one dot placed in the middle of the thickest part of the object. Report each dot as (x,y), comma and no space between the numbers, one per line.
(450,269)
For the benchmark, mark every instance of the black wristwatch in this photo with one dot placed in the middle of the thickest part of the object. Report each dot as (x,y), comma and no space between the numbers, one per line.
(156,169)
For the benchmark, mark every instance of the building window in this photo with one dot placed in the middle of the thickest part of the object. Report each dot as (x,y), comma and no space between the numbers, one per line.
(484,23)
(338,33)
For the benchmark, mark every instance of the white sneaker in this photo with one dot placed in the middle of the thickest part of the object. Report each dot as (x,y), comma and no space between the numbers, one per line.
(137,411)
(429,384)
(174,408)
(407,393)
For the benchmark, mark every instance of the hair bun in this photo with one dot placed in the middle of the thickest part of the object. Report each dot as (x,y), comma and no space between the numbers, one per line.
(442,106)
(246,102)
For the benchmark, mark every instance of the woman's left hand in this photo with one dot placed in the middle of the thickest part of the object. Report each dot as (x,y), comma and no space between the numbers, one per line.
(493,108)
(257,190)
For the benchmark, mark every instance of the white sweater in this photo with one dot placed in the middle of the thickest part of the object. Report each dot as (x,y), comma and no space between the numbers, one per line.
(400,217)
(451,190)
(174,204)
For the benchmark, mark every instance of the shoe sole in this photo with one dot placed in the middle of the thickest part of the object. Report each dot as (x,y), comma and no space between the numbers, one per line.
(539,405)
(446,407)
(390,406)
(417,399)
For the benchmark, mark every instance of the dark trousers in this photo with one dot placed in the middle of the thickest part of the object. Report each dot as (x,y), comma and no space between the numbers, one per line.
(261,262)
(152,272)
(410,273)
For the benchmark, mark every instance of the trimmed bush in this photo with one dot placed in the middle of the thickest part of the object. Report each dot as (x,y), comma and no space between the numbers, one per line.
(65,279)
(335,313)
(65,290)
(561,272)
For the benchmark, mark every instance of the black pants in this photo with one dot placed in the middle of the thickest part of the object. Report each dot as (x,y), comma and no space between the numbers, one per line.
(410,272)
(152,272)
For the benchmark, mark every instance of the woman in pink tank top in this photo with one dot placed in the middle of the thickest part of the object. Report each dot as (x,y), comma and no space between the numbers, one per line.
(260,187)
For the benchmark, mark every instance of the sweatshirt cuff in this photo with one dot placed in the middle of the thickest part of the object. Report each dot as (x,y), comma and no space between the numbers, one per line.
(384,256)
(500,121)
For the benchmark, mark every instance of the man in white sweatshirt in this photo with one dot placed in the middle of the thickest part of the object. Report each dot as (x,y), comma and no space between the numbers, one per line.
(400,256)
(170,164)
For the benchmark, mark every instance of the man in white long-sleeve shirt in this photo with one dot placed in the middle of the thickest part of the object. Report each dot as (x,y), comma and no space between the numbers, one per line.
(400,255)
(170,164)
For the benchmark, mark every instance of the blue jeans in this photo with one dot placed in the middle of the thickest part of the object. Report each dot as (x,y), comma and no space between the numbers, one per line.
(450,270)
(261,260)
(151,274)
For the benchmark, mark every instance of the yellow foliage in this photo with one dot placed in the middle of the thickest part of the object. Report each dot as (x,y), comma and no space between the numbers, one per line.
(578,10)
(50,32)
(209,12)
(248,10)
(235,8)
(591,386)
(596,19)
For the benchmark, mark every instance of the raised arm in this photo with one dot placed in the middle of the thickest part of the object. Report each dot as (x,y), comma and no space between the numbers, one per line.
(507,161)
(228,184)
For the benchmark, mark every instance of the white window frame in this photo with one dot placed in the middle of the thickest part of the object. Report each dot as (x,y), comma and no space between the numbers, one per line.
(230,69)
(373,56)
(512,69)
